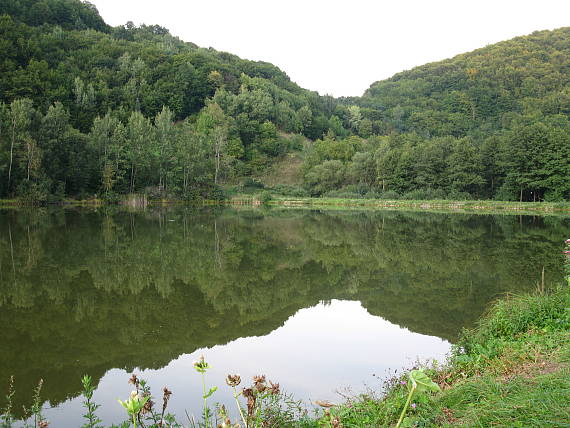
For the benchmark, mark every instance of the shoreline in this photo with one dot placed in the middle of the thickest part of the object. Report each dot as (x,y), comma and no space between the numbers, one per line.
(448,206)
(443,206)
(429,205)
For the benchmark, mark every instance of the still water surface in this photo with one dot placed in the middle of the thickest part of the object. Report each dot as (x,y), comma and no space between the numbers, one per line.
(318,301)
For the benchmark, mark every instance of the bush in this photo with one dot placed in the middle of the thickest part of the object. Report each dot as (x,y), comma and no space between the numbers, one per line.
(31,192)
(555,195)
(390,194)
(265,197)
(372,195)
(437,194)
(287,190)
(414,195)
(296,142)
(506,192)
(111,197)
(217,194)
(252,183)
(192,195)
(57,194)
(363,188)
(426,195)
(455,195)
(342,193)
(353,191)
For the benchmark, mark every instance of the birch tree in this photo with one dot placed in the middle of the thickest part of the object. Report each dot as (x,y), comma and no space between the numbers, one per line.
(165,140)
(19,121)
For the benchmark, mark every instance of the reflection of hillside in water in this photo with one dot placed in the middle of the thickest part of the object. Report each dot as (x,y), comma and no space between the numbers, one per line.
(83,292)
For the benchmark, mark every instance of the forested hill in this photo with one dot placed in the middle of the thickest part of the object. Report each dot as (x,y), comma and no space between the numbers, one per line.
(81,103)
(478,92)
(492,123)
(48,44)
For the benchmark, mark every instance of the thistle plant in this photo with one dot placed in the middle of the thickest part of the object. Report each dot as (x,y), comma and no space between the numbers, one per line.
(225,421)
(256,396)
(92,420)
(7,417)
(35,410)
(148,408)
(233,381)
(166,393)
(201,366)
(419,382)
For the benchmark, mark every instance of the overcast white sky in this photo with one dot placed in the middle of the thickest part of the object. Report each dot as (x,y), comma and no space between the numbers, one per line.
(341,47)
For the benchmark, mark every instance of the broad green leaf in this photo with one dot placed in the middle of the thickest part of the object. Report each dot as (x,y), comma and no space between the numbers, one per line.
(422,381)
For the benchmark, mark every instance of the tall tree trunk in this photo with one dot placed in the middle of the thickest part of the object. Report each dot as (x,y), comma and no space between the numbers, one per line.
(11,152)
(30,155)
(217,167)
(132,177)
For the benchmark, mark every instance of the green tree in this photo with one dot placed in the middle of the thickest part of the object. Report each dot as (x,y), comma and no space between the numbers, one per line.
(107,141)
(465,169)
(327,176)
(139,134)
(135,74)
(304,117)
(19,121)
(354,117)
(214,124)
(165,139)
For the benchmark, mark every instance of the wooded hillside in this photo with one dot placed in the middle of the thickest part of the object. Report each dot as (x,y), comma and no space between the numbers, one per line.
(88,109)
(492,123)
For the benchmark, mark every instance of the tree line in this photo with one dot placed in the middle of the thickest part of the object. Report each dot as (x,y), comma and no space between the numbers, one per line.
(528,161)
(89,109)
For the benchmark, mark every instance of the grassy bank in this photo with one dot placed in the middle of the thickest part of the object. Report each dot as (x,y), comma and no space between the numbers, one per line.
(438,205)
(345,203)
(513,370)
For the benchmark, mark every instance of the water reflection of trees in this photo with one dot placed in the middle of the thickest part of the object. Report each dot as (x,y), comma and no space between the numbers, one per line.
(84,291)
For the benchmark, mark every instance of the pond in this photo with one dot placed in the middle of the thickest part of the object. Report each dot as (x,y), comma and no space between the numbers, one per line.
(328,303)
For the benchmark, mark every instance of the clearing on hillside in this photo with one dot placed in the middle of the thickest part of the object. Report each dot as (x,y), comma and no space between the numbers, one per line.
(286,170)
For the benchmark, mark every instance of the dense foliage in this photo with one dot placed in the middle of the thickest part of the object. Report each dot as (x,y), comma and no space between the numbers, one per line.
(492,123)
(86,108)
